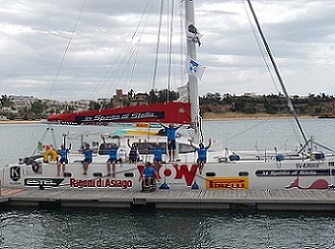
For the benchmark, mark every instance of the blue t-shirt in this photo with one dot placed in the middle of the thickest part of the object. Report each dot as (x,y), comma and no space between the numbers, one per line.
(87,153)
(113,152)
(158,152)
(202,153)
(133,152)
(63,154)
(149,172)
(171,132)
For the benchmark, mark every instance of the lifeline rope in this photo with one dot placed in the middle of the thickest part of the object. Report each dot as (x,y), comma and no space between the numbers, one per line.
(67,48)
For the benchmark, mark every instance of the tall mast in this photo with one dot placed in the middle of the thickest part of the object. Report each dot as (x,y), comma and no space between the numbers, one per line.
(192,79)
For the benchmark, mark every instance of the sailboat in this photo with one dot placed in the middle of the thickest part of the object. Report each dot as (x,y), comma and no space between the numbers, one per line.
(303,169)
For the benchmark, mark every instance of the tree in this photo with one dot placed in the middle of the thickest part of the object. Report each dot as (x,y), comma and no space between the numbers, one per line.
(5,101)
(37,107)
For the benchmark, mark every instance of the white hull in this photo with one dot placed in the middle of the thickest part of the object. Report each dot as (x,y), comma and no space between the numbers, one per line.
(242,174)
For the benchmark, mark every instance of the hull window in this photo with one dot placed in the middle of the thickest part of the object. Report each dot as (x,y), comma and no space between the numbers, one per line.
(97,174)
(129,174)
(67,174)
(210,174)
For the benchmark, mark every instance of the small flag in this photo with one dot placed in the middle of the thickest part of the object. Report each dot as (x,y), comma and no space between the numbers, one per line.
(193,34)
(195,68)
(183,93)
(40,146)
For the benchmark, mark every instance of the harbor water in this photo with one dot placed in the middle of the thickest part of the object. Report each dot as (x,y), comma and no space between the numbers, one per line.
(163,229)
(110,228)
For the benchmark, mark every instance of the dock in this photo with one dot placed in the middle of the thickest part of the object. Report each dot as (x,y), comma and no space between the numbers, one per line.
(253,200)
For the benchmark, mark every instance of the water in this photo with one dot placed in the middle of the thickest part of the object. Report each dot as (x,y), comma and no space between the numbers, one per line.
(88,228)
(106,228)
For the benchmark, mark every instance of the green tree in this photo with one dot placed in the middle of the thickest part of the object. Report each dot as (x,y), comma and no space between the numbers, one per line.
(37,107)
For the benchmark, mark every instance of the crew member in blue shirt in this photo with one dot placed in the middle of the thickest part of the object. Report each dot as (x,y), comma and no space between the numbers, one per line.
(133,153)
(148,174)
(202,154)
(88,154)
(171,131)
(63,153)
(112,149)
(158,154)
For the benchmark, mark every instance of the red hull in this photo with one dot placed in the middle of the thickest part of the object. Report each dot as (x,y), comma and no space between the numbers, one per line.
(173,112)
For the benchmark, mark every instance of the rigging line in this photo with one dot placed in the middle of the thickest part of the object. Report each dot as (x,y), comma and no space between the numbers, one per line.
(260,48)
(138,42)
(67,48)
(289,102)
(157,47)
(124,71)
(170,51)
(120,59)
(182,35)
(42,139)
(134,65)
(109,71)
(247,130)
(139,23)
(201,133)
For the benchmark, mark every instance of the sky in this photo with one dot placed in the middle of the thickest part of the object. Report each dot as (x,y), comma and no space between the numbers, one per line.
(86,49)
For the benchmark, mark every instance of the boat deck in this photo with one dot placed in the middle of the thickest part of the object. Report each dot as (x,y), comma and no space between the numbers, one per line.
(253,200)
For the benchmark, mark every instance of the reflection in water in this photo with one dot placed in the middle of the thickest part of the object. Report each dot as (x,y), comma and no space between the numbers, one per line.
(87,228)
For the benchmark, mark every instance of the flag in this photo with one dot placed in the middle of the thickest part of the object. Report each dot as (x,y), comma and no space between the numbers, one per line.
(193,34)
(183,93)
(40,146)
(196,69)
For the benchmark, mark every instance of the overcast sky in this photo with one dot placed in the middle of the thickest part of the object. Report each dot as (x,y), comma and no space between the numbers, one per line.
(71,50)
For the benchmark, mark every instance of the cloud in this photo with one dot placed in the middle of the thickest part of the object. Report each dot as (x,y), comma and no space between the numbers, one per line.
(69,50)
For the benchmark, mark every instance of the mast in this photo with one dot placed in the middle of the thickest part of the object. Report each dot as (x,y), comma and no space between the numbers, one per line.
(192,79)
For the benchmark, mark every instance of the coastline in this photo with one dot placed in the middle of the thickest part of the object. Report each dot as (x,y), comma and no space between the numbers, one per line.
(20,122)
(242,116)
(206,117)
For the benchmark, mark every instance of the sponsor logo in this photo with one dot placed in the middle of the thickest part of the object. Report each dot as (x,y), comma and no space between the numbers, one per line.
(15,173)
(100,183)
(120,117)
(46,182)
(177,172)
(227,183)
(298,172)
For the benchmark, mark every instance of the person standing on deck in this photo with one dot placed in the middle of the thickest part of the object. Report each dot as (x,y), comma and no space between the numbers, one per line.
(171,131)
(63,153)
(88,157)
(202,154)
(158,153)
(112,151)
(133,153)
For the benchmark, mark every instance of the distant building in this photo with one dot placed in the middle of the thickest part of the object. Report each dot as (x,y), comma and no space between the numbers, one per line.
(22,103)
(140,99)
(252,95)
(130,99)
(120,99)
